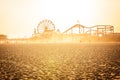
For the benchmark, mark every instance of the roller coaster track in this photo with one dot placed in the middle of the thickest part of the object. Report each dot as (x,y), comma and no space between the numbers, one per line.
(97,29)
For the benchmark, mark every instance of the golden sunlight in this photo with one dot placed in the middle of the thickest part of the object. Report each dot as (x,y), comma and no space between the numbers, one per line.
(59,39)
(21,17)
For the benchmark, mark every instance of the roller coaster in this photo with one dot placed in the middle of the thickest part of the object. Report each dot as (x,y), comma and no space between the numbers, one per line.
(46,31)
(95,30)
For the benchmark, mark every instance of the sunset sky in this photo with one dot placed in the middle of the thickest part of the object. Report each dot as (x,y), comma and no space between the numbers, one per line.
(18,18)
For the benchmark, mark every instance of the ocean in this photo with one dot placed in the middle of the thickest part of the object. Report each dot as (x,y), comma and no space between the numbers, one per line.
(60,61)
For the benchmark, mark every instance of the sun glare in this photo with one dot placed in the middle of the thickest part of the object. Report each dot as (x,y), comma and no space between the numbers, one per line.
(21,17)
(100,35)
(13,36)
(68,13)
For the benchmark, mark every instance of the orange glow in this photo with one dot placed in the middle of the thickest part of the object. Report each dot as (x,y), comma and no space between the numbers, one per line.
(22,16)
(100,35)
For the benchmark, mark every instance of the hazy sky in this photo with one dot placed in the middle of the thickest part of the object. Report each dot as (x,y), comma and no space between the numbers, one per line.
(18,18)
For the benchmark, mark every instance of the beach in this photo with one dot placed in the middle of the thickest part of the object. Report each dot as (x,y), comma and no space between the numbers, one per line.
(60,61)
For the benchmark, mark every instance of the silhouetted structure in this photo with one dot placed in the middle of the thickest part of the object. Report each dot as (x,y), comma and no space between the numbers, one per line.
(45,29)
(3,37)
(95,30)
(77,33)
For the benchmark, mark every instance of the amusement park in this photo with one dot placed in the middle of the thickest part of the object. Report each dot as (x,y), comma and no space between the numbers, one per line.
(47,32)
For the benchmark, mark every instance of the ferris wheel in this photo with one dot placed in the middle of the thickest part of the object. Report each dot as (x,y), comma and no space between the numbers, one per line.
(45,25)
